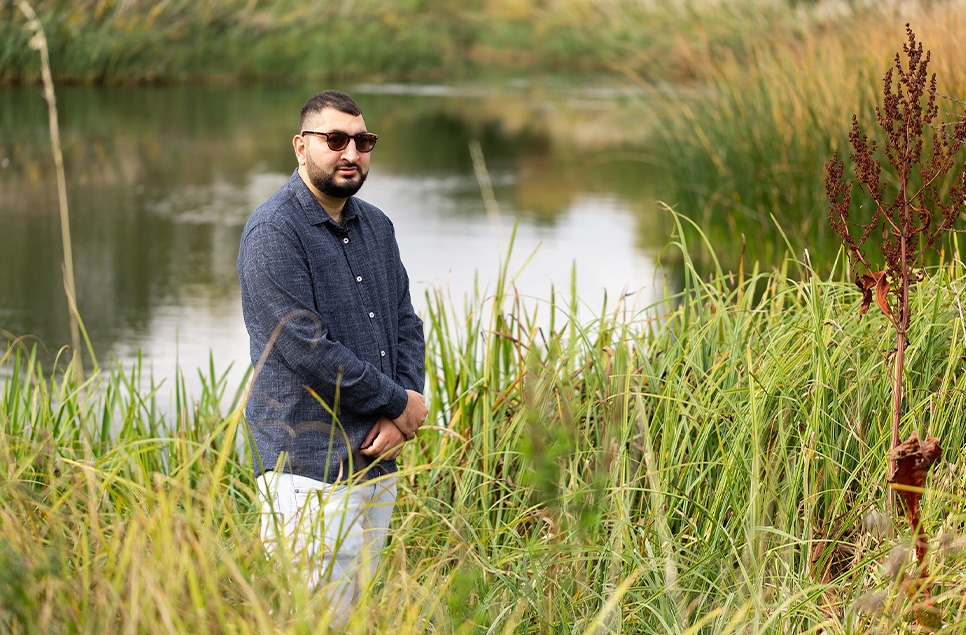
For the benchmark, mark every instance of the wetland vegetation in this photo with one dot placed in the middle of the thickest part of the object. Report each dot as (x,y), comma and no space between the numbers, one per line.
(718,470)
(714,462)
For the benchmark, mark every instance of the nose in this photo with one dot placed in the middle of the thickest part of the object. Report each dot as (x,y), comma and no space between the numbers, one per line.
(351,153)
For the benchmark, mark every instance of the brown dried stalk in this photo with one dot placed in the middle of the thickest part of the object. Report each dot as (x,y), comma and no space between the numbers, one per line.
(910,216)
(39,42)
(912,459)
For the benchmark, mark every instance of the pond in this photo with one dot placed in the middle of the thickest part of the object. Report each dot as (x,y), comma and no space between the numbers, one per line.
(162,179)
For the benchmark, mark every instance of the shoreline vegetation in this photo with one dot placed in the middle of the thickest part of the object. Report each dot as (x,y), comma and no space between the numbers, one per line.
(749,159)
(719,469)
(714,464)
(142,41)
(741,102)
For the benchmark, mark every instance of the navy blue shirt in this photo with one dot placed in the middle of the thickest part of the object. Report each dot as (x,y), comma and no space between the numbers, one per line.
(334,338)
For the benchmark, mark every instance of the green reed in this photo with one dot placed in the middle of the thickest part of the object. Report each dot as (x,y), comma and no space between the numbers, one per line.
(103,41)
(713,464)
(747,156)
(111,41)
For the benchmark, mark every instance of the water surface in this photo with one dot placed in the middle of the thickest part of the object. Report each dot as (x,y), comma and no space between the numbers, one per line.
(161,181)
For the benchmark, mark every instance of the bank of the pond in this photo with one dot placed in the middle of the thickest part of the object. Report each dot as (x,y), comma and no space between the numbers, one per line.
(101,41)
(718,470)
(744,155)
(748,157)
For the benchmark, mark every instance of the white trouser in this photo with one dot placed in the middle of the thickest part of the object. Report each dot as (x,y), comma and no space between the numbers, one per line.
(334,533)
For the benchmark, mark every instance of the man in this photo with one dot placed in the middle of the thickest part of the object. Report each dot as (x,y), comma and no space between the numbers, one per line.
(338,352)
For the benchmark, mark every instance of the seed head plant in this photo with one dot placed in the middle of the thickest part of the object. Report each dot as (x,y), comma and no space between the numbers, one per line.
(911,209)
(912,215)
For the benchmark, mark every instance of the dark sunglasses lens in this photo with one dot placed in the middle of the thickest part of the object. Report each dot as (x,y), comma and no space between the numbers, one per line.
(365,142)
(337,141)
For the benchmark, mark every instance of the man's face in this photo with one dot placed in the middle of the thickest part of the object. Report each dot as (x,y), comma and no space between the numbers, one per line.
(335,173)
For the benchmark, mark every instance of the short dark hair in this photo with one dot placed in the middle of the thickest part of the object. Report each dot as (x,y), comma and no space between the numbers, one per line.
(329,99)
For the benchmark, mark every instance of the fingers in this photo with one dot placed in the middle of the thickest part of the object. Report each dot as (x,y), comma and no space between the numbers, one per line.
(372,435)
(373,449)
(370,446)
(385,440)
(393,452)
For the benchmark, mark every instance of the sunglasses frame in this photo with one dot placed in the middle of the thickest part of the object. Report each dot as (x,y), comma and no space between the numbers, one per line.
(365,136)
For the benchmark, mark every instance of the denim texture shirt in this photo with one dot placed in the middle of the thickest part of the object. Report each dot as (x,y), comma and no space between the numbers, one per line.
(333,332)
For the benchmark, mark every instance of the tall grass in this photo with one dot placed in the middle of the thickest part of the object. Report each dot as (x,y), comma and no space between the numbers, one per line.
(751,151)
(713,465)
(111,41)
(717,469)
(103,41)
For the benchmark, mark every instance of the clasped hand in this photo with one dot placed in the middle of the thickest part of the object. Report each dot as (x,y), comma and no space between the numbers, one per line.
(387,436)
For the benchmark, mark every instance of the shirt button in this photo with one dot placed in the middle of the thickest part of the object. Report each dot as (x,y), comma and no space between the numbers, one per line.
(358,278)
(383,353)
(345,240)
(371,314)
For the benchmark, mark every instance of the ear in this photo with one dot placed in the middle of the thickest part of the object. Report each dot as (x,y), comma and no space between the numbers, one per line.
(298,143)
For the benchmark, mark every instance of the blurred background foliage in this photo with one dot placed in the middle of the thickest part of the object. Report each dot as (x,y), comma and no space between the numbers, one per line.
(121,41)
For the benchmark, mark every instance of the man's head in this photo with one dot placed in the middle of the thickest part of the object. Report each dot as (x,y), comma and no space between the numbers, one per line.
(334,99)
(327,118)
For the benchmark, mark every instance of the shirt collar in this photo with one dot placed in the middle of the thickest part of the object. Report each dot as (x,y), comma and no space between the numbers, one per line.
(314,212)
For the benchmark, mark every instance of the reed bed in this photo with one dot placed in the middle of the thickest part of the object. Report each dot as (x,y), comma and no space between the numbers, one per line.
(138,41)
(125,41)
(747,155)
(713,465)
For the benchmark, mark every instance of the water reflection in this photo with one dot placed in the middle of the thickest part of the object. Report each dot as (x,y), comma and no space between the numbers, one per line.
(161,181)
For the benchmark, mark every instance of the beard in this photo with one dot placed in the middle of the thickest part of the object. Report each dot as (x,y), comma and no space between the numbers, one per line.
(326,182)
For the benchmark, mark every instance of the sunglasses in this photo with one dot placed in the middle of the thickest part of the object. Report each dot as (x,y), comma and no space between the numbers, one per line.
(365,141)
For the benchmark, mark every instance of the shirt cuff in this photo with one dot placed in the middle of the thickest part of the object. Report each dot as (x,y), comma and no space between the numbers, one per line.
(397,403)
